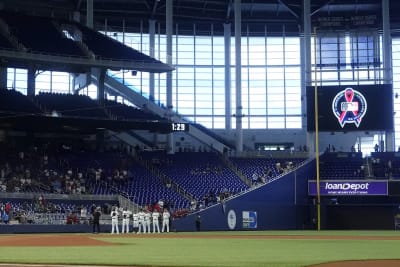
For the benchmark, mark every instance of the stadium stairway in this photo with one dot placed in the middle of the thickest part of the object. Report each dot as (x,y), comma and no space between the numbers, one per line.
(115,86)
(236,170)
(155,171)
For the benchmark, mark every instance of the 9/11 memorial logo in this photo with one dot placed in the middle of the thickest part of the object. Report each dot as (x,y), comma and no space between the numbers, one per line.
(349,106)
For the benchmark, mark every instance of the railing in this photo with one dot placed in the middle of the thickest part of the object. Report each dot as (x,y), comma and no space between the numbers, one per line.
(38,218)
(238,172)
(274,154)
(4,195)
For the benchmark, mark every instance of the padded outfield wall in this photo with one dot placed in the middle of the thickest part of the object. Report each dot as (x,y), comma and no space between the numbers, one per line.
(279,205)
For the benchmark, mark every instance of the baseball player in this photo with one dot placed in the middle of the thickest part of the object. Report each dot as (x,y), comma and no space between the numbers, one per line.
(165,222)
(114,221)
(141,222)
(156,224)
(135,218)
(125,220)
(147,222)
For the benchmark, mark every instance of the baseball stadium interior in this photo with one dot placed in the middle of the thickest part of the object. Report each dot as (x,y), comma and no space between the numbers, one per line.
(251,114)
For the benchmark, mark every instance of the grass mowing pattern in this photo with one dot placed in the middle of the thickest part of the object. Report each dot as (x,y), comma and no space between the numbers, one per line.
(208,252)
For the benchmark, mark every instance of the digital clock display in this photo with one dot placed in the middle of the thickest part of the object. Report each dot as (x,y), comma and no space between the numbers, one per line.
(179,127)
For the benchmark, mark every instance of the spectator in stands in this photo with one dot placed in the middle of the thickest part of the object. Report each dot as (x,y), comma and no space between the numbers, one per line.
(279,168)
(362,169)
(72,218)
(376,148)
(8,209)
(5,217)
(93,208)
(254,178)
(193,205)
(22,217)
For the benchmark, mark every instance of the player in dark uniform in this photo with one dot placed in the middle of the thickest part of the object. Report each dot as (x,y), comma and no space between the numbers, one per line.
(96,220)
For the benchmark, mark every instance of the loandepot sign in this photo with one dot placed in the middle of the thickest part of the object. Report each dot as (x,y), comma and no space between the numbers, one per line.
(338,188)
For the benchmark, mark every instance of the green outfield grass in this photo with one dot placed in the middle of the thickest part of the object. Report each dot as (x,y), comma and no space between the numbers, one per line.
(201,250)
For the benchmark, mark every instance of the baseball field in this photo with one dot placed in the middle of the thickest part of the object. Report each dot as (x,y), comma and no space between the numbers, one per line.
(206,249)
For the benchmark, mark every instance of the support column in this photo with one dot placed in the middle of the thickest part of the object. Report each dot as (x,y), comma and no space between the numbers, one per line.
(305,58)
(89,13)
(152,36)
(31,81)
(3,77)
(238,71)
(228,89)
(100,86)
(387,64)
(169,30)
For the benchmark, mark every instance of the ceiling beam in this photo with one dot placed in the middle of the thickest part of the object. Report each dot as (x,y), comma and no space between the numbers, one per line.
(154,9)
(321,7)
(288,8)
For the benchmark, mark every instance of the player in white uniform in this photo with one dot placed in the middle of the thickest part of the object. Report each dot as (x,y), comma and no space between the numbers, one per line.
(135,218)
(156,225)
(125,220)
(147,222)
(114,221)
(165,222)
(141,222)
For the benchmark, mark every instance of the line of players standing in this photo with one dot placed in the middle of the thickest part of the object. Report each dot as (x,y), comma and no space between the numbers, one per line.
(143,221)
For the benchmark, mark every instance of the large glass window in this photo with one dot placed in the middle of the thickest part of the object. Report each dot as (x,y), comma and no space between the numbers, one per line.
(396,87)
(270,87)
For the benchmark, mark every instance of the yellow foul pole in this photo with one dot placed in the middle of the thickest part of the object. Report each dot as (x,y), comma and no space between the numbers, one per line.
(316,131)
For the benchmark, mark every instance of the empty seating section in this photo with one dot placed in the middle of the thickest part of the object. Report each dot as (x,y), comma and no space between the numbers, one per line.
(342,165)
(125,112)
(71,105)
(104,47)
(15,103)
(198,172)
(45,35)
(145,188)
(39,34)
(100,45)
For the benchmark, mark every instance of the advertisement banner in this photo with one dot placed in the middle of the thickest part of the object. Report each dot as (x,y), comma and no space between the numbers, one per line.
(348,187)
(249,219)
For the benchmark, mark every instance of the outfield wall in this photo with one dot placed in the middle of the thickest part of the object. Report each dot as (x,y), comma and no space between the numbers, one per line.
(279,205)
